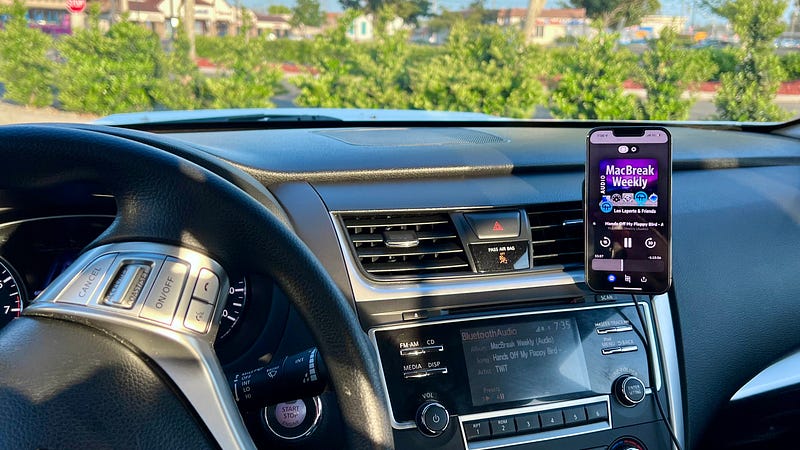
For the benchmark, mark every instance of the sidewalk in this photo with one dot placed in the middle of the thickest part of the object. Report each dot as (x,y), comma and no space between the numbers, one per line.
(20,114)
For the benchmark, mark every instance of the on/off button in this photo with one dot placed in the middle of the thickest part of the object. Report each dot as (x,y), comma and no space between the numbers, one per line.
(162,301)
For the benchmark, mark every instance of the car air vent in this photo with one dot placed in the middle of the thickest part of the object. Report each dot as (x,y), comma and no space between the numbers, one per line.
(406,245)
(557,234)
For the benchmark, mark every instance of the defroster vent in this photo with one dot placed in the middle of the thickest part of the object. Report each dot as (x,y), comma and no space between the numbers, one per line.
(406,245)
(557,234)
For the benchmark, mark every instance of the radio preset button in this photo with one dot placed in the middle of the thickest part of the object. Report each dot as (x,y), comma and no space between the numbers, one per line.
(574,416)
(597,412)
(477,430)
(551,419)
(621,349)
(502,426)
(527,423)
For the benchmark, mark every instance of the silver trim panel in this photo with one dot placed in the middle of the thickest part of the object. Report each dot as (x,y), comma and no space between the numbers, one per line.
(187,357)
(662,317)
(782,374)
(537,436)
(365,289)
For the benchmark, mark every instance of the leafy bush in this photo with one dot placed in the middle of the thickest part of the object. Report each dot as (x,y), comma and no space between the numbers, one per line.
(247,80)
(485,69)
(791,65)
(179,84)
(355,75)
(667,70)
(748,93)
(723,59)
(111,72)
(25,69)
(592,83)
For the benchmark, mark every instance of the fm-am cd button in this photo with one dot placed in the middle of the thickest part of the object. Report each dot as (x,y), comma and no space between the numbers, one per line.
(421,350)
(621,349)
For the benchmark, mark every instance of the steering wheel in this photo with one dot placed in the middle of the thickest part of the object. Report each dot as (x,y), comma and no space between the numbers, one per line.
(118,351)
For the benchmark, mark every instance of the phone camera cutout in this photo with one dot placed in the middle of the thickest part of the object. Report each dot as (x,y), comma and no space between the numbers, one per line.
(634,149)
(623,149)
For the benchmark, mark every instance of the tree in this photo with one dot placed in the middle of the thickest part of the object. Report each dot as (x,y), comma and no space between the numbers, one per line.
(534,9)
(277,10)
(25,69)
(617,13)
(666,72)
(409,10)
(306,13)
(591,86)
(748,93)
(485,69)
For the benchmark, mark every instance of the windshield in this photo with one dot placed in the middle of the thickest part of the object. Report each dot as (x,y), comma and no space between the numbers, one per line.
(673,60)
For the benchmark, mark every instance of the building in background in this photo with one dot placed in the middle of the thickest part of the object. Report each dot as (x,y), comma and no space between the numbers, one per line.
(273,26)
(551,25)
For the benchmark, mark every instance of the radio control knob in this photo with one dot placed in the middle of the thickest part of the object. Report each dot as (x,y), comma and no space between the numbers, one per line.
(629,390)
(432,419)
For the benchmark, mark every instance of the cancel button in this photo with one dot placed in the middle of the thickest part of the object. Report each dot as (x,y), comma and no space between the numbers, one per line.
(162,301)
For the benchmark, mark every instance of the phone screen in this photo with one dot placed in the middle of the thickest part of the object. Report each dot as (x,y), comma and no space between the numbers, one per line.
(628,210)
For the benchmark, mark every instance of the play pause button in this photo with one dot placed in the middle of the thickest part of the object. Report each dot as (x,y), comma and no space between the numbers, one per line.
(627,242)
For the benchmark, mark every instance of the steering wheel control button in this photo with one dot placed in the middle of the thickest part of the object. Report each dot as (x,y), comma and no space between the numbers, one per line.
(502,426)
(597,412)
(494,225)
(198,316)
(620,349)
(207,287)
(527,423)
(432,419)
(128,284)
(629,390)
(552,419)
(82,288)
(162,301)
(475,431)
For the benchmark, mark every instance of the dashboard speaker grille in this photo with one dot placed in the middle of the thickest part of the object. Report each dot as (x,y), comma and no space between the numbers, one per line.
(403,245)
(557,233)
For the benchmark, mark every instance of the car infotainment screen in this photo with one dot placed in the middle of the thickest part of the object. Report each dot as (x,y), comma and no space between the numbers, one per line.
(524,361)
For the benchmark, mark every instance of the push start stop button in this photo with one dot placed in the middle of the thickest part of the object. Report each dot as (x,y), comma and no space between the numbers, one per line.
(295,419)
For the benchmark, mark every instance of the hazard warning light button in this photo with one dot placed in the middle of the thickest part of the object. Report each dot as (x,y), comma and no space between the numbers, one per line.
(494,225)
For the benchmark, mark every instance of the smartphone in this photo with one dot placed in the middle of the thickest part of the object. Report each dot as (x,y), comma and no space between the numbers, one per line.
(628,210)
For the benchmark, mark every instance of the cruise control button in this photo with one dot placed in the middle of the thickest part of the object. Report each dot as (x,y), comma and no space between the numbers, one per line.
(574,416)
(476,430)
(162,301)
(207,287)
(597,412)
(502,426)
(527,423)
(198,316)
(494,225)
(83,286)
(551,419)
(127,285)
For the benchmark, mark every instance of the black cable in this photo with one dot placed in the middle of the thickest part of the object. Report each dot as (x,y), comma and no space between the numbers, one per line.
(645,338)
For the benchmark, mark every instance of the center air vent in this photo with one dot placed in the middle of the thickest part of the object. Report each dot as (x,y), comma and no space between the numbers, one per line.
(403,245)
(557,234)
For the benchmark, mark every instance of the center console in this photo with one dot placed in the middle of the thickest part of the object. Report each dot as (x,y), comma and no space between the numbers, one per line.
(529,378)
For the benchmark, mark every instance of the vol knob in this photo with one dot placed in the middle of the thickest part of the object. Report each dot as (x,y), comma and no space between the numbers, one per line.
(629,390)
(432,419)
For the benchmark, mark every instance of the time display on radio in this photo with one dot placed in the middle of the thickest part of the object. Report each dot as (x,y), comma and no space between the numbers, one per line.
(524,360)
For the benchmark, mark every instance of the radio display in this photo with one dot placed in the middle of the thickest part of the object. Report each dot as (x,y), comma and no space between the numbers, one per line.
(524,361)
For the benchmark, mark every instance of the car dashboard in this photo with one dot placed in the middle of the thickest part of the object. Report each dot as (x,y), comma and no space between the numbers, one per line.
(460,248)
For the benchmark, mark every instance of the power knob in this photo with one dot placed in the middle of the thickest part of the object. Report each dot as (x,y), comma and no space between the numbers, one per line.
(432,419)
(629,390)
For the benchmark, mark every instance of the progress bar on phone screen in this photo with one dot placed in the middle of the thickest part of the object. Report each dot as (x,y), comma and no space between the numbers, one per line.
(630,265)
